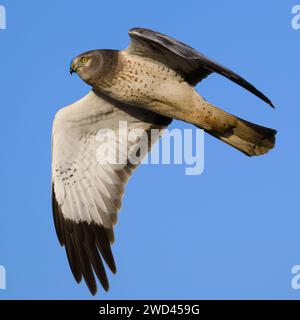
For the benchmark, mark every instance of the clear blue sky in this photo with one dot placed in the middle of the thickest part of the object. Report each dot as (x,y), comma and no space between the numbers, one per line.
(232,232)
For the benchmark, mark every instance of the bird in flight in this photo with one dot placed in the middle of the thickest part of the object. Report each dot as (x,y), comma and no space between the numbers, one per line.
(147,85)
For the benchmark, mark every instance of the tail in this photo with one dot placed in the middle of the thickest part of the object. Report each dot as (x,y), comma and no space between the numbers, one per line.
(247,137)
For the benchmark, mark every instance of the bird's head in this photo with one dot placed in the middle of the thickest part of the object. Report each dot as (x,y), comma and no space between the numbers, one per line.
(87,65)
(92,65)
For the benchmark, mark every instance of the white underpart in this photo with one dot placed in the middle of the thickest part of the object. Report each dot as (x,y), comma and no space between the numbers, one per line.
(86,190)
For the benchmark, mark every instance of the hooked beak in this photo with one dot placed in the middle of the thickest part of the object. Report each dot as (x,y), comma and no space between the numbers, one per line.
(72,69)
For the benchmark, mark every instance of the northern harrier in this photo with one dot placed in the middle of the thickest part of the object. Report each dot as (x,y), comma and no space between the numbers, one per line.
(148,84)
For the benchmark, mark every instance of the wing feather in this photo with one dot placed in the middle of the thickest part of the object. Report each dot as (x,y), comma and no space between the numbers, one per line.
(86,194)
(191,64)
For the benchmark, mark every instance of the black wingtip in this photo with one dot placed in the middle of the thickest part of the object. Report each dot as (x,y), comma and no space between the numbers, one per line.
(114,270)
(93,291)
(271,104)
(81,241)
(106,289)
(268,101)
(265,99)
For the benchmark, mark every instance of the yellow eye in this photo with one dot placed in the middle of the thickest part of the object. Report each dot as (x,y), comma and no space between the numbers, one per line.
(84,59)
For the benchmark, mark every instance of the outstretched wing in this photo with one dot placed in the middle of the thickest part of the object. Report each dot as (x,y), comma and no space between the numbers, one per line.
(188,62)
(88,184)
